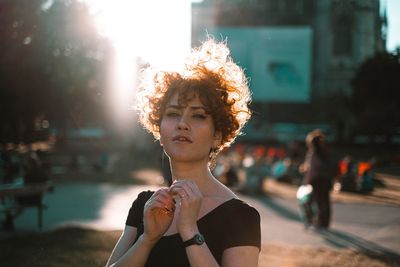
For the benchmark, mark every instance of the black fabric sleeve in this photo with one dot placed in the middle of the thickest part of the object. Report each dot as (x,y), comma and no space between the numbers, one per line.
(135,215)
(243,227)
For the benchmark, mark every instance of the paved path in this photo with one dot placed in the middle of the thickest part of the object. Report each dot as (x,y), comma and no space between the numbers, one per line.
(374,229)
(105,207)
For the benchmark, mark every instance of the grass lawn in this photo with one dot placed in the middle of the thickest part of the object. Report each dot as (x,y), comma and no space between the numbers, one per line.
(80,247)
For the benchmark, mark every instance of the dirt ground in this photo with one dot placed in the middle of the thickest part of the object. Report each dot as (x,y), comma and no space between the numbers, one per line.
(90,248)
(279,255)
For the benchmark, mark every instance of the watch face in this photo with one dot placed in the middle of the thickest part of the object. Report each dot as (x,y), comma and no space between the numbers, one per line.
(199,239)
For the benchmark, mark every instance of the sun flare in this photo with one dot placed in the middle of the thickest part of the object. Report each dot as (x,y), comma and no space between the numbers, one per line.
(150,31)
(156,30)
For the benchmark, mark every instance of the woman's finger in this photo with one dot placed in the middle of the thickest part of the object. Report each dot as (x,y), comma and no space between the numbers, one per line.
(161,201)
(158,204)
(164,195)
(189,187)
(179,191)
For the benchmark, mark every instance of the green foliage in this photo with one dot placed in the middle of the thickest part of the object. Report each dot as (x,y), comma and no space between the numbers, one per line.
(376,95)
(52,66)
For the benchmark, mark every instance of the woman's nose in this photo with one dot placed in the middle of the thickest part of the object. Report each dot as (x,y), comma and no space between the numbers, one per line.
(183,123)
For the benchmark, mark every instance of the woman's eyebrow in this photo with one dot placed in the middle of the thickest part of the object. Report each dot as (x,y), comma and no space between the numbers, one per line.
(174,106)
(182,106)
(198,107)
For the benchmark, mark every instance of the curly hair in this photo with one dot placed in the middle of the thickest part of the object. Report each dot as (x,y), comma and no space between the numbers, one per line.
(209,74)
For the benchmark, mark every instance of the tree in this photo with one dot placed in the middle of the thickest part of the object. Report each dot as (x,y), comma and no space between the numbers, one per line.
(375,96)
(52,63)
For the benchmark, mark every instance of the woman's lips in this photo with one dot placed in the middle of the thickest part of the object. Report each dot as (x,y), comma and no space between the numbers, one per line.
(181,138)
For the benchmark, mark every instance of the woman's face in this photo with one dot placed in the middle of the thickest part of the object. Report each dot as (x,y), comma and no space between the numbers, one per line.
(187,131)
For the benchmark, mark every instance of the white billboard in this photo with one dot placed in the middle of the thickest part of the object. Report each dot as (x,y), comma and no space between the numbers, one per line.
(276,59)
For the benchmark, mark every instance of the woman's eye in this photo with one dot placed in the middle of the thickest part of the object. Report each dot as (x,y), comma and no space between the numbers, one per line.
(200,116)
(172,114)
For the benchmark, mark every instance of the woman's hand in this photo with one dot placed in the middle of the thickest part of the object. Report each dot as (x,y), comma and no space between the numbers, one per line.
(190,204)
(158,215)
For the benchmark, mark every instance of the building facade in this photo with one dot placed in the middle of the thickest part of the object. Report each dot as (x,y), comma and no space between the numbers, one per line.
(344,33)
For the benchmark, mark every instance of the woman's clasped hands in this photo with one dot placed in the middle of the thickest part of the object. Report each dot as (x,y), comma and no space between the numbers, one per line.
(181,203)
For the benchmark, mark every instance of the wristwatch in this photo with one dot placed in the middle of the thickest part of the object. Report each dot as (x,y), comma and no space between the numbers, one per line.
(198,239)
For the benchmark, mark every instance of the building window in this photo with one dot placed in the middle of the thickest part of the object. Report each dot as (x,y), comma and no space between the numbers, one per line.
(342,27)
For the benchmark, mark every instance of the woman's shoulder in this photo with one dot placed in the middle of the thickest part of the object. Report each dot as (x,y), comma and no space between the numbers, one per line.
(135,215)
(242,208)
(235,206)
(140,200)
(239,224)
(146,194)
(237,211)
(143,196)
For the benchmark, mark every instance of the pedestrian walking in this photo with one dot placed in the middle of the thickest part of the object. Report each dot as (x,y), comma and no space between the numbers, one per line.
(318,173)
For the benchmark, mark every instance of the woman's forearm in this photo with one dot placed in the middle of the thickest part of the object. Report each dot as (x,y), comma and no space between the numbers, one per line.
(200,256)
(137,255)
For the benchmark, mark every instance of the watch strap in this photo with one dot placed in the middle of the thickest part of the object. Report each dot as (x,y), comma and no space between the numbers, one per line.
(197,239)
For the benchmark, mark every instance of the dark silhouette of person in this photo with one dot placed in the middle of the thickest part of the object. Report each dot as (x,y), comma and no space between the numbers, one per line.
(318,173)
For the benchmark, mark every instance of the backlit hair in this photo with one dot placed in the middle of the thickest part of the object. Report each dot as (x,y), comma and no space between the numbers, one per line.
(210,74)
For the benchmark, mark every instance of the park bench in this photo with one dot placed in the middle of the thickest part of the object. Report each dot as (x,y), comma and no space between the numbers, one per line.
(15,197)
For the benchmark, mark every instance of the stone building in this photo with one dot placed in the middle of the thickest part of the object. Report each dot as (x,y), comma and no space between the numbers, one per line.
(343,34)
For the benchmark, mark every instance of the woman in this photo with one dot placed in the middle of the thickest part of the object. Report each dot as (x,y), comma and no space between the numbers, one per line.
(318,173)
(197,221)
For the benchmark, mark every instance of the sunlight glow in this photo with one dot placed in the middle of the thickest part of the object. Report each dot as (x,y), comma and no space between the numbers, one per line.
(151,31)
(156,30)
(115,209)
(392,8)
(393,12)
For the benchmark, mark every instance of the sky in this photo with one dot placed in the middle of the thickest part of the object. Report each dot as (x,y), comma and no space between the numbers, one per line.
(393,14)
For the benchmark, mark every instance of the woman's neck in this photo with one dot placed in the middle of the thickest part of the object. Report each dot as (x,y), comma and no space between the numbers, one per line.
(198,173)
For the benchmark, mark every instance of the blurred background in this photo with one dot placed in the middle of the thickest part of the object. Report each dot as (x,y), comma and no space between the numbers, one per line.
(69,72)
(69,69)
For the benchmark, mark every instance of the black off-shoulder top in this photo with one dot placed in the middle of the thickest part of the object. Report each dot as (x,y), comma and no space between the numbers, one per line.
(231,224)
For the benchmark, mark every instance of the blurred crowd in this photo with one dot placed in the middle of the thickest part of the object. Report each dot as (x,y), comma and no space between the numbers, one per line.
(246,167)
(355,176)
(243,166)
